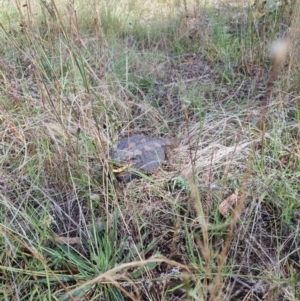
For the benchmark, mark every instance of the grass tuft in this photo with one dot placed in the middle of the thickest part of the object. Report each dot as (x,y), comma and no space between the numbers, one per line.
(78,76)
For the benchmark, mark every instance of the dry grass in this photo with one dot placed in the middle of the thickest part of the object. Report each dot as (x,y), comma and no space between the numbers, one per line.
(74,79)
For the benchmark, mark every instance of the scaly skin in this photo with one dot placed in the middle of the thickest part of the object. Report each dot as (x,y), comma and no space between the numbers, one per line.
(141,153)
